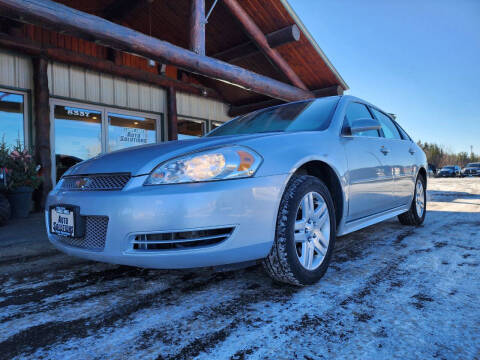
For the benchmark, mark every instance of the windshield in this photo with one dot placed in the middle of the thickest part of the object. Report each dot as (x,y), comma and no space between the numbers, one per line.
(300,116)
(448,168)
(473,165)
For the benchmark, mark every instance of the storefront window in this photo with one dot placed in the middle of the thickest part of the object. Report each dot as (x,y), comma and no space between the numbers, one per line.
(12,118)
(215,124)
(84,131)
(125,131)
(78,136)
(190,128)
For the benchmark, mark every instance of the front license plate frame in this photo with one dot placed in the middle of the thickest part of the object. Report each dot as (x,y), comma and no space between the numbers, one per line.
(65,220)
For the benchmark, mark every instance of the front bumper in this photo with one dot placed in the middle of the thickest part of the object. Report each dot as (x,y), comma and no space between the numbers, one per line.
(249,205)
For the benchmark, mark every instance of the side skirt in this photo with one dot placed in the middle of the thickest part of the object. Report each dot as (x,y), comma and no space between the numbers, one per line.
(370,220)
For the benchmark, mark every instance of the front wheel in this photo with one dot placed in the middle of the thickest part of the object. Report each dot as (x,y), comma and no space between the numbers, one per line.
(305,233)
(416,215)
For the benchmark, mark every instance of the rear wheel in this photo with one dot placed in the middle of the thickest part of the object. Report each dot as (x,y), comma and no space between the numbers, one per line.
(416,215)
(305,233)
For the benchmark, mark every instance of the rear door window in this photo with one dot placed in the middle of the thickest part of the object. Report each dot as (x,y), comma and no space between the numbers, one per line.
(390,130)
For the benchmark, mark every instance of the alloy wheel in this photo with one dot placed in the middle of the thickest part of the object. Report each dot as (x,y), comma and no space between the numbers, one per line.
(312,230)
(420,198)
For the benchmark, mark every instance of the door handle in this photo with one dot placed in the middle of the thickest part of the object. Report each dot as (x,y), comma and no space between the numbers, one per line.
(384,150)
(411,151)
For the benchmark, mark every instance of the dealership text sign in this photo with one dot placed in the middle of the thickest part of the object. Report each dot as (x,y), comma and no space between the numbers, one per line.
(137,136)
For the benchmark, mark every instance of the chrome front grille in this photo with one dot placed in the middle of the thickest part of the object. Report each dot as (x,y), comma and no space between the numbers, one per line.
(98,182)
(95,234)
(180,240)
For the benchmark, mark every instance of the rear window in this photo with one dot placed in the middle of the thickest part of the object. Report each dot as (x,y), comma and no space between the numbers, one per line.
(300,116)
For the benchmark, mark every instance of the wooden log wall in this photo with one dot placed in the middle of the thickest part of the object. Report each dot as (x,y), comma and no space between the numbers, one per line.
(41,109)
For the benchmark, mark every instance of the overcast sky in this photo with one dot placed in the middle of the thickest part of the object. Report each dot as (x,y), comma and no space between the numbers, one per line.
(417,59)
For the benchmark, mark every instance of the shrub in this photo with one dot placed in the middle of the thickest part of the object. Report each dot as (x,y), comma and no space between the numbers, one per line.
(21,168)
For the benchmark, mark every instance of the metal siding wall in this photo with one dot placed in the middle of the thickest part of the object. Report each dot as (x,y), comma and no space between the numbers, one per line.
(132,94)
(15,71)
(60,85)
(80,84)
(199,107)
(92,86)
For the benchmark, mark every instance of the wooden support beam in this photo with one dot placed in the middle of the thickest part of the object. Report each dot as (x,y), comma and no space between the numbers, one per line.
(64,19)
(105,66)
(245,109)
(172,114)
(275,39)
(260,40)
(41,108)
(329,91)
(197,27)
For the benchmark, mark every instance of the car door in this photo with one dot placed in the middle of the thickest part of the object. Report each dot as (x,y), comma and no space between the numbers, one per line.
(402,157)
(371,184)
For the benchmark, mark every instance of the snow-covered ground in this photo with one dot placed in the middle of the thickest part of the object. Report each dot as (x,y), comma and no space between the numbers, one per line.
(391,292)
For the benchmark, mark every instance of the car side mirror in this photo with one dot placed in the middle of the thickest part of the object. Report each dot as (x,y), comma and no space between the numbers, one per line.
(361,125)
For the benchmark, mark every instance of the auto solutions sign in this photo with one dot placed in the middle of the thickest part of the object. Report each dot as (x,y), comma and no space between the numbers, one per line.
(133,136)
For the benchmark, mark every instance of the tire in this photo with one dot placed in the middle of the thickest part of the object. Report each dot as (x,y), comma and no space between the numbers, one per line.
(284,262)
(412,217)
(5,210)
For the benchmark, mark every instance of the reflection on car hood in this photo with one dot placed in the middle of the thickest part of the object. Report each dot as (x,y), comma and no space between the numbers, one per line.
(143,159)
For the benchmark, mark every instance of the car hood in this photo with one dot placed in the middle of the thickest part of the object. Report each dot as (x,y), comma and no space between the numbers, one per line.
(142,160)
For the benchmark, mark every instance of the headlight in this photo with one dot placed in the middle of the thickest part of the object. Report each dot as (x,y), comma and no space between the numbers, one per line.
(230,162)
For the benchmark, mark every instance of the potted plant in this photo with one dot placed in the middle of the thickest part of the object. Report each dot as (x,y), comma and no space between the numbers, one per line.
(22,179)
(5,211)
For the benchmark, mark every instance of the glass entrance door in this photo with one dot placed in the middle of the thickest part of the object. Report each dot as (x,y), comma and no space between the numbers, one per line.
(78,136)
(81,131)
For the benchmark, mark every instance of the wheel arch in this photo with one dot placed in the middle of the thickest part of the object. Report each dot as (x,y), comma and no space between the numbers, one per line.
(423,172)
(329,176)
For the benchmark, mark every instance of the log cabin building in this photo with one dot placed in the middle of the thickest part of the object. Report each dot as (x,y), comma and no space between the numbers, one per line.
(83,77)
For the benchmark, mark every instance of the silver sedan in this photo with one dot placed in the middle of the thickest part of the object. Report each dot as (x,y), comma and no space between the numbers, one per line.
(275,186)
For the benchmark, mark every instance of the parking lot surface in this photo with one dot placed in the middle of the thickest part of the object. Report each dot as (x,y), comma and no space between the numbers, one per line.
(391,292)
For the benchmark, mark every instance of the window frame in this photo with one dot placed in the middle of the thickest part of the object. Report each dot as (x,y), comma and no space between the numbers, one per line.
(402,131)
(26,111)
